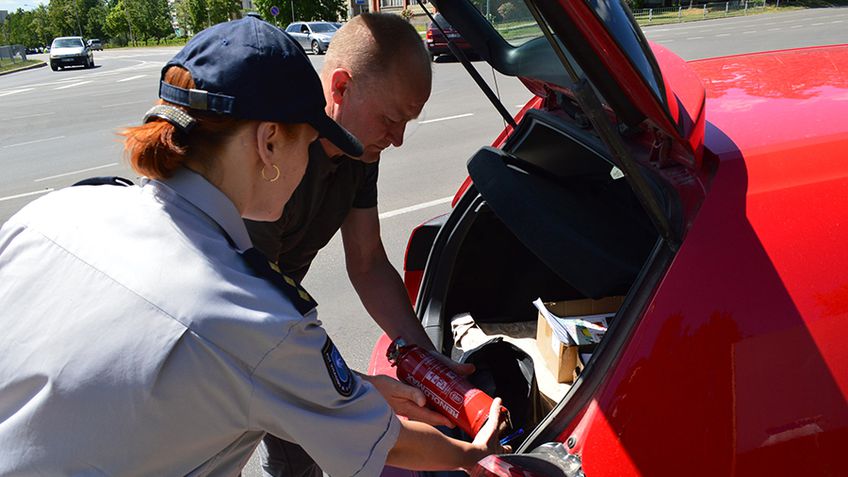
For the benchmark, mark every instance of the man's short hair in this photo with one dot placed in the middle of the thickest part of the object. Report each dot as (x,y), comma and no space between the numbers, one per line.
(374,44)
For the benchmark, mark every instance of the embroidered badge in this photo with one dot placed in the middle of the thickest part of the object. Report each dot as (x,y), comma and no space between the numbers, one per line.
(340,374)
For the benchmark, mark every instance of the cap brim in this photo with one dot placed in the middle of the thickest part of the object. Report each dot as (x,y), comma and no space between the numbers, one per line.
(339,136)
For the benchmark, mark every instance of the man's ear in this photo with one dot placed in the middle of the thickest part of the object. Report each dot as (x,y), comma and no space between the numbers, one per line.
(339,83)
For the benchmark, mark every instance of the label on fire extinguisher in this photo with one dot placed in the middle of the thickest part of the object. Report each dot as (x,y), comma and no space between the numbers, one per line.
(446,385)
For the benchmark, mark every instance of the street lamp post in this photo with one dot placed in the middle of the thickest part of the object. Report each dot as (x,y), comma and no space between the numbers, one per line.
(292,5)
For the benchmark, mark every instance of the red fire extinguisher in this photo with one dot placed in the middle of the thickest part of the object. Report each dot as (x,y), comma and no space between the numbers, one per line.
(446,392)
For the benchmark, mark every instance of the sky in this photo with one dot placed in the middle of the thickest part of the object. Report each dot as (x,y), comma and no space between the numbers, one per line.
(14,5)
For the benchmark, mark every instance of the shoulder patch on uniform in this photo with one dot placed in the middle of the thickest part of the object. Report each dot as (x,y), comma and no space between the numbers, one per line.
(106,180)
(340,374)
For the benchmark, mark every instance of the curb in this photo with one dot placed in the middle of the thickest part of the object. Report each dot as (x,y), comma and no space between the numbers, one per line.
(30,67)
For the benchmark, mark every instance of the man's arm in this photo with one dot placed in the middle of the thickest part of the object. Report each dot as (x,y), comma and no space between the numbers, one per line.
(376,281)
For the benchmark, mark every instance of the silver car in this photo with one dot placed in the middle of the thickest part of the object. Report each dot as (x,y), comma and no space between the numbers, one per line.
(314,36)
(70,51)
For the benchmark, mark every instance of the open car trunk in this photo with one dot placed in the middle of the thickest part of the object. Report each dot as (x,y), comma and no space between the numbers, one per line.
(549,216)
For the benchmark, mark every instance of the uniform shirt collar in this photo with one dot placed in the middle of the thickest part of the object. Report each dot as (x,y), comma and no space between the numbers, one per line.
(194,188)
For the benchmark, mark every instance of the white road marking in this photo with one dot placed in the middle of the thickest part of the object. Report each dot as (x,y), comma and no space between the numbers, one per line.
(10,197)
(413,208)
(796,26)
(17,118)
(76,172)
(33,142)
(836,21)
(107,93)
(124,104)
(15,91)
(72,85)
(447,118)
(695,38)
(723,34)
(37,115)
(818,24)
(130,78)
(773,29)
(749,32)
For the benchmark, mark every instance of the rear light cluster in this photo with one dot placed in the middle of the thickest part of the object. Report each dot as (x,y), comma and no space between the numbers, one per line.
(429,34)
(548,460)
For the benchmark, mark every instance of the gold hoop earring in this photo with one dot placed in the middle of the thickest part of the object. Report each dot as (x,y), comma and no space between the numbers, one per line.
(276,173)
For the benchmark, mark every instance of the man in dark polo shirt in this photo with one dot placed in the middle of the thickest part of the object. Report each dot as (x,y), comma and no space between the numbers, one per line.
(376,78)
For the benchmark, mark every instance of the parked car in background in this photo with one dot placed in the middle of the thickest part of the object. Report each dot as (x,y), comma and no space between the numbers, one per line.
(70,51)
(703,203)
(313,36)
(95,44)
(437,42)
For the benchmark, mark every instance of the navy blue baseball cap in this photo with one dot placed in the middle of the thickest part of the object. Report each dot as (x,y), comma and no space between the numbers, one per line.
(250,69)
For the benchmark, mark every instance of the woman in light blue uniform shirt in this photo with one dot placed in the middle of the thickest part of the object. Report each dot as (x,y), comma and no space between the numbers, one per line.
(141,332)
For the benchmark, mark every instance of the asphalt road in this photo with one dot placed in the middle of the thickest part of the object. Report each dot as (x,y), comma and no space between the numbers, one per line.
(60,127)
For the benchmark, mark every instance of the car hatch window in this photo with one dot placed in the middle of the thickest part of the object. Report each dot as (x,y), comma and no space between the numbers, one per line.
(518,27)
(323,28)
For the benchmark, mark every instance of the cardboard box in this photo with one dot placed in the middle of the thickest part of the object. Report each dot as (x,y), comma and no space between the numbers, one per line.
(563,360)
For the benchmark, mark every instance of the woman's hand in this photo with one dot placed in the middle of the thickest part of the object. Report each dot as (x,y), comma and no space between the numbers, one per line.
(407,401)
(487,441)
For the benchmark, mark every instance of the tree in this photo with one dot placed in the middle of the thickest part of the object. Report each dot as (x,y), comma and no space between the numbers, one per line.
(117,24)
(304,10)
(41,24)
(63,17)
(223,10)
(192,15)
(95,23)
(150,19)
(16,28)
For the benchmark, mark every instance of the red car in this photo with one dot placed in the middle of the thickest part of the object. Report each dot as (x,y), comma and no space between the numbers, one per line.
(437,36)
(711,195)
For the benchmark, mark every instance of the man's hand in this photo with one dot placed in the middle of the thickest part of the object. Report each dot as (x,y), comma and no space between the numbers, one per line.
(462,369)
(407,401)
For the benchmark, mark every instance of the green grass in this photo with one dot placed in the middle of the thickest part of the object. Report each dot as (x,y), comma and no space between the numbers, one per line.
(148,44)
(697,13)
(8,65)
(816,3)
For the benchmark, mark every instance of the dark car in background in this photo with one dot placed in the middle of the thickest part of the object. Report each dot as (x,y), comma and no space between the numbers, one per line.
(95,44)
(437,41)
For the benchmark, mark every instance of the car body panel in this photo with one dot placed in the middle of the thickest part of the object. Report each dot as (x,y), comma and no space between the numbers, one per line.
(736,365)
(305,34)
(66,55)
(757,365)
(437,38)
